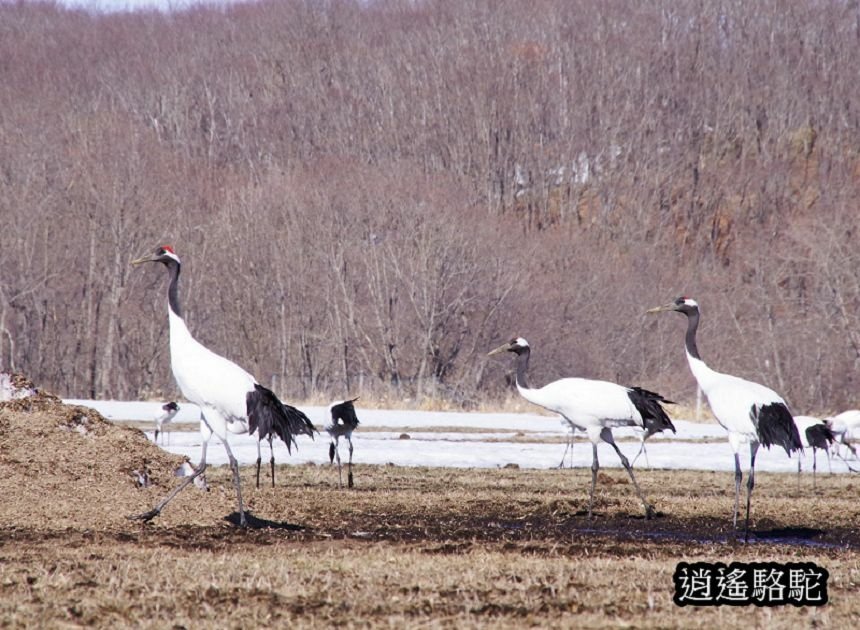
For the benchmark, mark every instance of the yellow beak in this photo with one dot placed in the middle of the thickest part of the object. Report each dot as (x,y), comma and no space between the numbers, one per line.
(140,261)
(503,348)
(660,309)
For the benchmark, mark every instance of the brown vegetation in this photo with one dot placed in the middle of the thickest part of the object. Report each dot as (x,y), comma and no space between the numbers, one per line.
(453,548)
(367,196)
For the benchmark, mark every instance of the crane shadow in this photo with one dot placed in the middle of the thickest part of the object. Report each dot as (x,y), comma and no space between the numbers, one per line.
(255,522)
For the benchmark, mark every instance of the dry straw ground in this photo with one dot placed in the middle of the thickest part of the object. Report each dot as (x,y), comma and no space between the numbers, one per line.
(407,548)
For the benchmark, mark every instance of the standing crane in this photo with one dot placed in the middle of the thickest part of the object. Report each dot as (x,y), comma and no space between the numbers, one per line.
(593,407)
(230,399)
(816,435)
(168,413)
(751,413)
(343,423)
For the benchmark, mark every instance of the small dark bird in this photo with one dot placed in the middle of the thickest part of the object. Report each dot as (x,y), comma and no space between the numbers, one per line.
(168,412)
(343,423)
(814,434)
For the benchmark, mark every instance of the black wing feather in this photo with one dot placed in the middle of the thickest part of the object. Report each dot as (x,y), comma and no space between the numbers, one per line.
(269,416)
(649,406)
(775,425)
(345,412)
(819,436)
(300,424)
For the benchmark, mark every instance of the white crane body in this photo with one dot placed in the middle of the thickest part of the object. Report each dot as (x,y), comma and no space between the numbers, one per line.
(595,407)
(751,414)
(230,399)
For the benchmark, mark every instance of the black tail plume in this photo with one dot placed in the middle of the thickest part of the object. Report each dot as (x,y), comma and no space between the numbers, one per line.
(775,425)
(268,416)
(820,436)
(344,413)
(300,424)
(649,406)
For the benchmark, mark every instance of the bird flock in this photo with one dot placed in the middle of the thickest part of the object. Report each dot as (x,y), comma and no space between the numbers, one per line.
(233,402)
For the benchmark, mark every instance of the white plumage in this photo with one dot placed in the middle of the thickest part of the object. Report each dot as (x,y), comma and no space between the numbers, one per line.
(752,414)
(846,429)
(594,407)
(230,399)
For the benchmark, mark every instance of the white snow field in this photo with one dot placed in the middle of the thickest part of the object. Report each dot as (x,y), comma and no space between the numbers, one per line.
(469,440)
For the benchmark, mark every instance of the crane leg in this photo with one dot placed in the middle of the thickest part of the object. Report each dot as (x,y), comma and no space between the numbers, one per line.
(349,475)
(750,486)
(595,466)
(649,509)
(259,459)
(570,442)
(151,514)
(814,466)
(272,460)
(642,451)
(798,472)
(566,448)
(339,469)
(738,479)
(234,466)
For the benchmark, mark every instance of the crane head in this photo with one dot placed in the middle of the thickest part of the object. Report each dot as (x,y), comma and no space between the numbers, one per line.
(517,344)
(682,304)
(163,254)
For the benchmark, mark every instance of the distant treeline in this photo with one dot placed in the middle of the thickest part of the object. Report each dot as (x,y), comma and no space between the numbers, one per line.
(368,196)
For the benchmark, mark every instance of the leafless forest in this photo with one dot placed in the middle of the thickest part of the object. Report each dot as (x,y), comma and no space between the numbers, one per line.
(367,196)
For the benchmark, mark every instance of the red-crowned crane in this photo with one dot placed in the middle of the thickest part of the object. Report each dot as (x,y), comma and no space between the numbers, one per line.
(751,413)
(165,416)
(343,422)
(816,435)
(593,407)
(230,399)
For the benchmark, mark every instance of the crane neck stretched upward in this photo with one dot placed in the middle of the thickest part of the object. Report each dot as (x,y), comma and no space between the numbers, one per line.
(173,288)
(690,339)
(522,362)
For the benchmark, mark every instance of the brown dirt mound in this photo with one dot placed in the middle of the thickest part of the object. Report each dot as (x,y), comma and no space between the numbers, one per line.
(66,466)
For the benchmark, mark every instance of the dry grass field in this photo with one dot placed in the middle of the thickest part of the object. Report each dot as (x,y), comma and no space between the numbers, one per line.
(408,547)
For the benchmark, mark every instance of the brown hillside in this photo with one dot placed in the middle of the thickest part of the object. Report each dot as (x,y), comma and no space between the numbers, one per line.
(66,466)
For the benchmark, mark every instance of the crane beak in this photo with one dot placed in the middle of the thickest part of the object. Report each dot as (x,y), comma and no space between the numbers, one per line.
(503,348)
(661,309)
(143,259)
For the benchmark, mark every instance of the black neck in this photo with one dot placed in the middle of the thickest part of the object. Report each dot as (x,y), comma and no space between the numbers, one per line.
(690,340)
(173,289)
(522,367)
